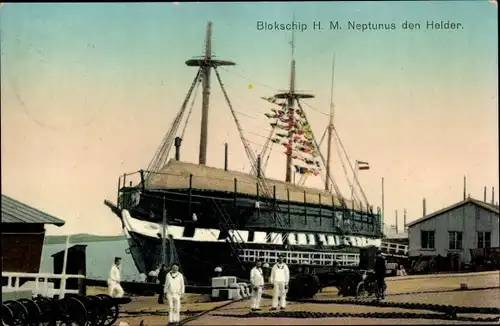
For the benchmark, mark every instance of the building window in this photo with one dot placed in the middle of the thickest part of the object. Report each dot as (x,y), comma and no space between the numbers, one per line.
(455,240)
(427,239)
(484,240)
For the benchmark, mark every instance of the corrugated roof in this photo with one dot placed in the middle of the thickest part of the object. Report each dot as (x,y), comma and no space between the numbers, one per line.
(488,207)
(14,211)
(175,175)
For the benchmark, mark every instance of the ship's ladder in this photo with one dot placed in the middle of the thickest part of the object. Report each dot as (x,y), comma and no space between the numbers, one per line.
(233,236)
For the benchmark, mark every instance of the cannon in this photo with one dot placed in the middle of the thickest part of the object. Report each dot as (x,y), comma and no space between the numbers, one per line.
(14,313)
(99,310)
(33,312)
(46,317)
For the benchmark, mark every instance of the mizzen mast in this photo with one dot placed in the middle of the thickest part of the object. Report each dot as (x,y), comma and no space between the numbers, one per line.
(291,96)
(330,132)
(206,64)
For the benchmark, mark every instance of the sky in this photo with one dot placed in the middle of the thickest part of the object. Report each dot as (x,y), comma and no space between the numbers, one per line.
(88,91)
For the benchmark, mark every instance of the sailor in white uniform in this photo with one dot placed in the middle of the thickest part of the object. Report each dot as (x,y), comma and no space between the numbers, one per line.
(174,290)
(114,288)
(280,276)
(257,281)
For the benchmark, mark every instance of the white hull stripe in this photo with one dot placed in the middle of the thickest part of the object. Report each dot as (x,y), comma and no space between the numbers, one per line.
(154,230)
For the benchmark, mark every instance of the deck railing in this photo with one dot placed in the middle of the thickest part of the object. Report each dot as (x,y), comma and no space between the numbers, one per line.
(42,284)
(241,184)
(301,257)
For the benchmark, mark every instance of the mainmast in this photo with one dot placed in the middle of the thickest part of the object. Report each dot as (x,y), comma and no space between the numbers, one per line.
(206,64)
(291,115)
(291,96)
(330,132)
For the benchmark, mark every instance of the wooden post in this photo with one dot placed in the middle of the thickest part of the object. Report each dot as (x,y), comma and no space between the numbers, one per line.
(319,200)
(117,196)
(288,202)
(190,197)
(305,208)
(235,191)
(274,199)
(258,200)
(334,217)
(142,181)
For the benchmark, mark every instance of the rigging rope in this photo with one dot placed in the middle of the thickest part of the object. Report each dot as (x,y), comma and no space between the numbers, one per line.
(342,163)
(303,178)
(335,186)
(190,109)
(264,150)
(251,156)
(350,165)
(268,155)
(161,155)
(248,79)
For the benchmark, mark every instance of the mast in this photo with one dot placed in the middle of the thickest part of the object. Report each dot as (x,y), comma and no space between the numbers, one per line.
(206,97)
(206,63)
(290,102)
(330,132)
(291,97)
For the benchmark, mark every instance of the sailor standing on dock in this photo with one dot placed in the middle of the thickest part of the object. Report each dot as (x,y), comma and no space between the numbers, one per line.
(257,280)
(280,276)
(174,290)
(162,277)
(114,287)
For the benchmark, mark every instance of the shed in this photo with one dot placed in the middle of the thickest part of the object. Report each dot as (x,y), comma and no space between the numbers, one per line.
(454,230)
(23,234)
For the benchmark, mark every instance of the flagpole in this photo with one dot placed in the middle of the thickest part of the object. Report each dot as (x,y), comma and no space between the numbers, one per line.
(382,212)
(354,180)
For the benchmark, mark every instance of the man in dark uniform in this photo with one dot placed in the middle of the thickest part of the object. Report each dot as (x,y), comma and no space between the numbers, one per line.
(380,271)
(162,275)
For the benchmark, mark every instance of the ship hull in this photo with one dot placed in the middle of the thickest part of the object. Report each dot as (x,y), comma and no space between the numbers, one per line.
(198,256)
(248,212)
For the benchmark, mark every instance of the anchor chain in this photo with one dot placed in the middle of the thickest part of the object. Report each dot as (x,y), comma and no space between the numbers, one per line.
(448,309)
(379,315)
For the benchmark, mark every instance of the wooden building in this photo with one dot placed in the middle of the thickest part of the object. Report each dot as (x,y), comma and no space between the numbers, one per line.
(454,230)
(23,234)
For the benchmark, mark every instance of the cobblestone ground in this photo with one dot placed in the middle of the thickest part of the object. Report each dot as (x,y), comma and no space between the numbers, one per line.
(396,288)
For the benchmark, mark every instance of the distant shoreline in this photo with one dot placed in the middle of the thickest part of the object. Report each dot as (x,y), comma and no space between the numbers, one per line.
(61,239)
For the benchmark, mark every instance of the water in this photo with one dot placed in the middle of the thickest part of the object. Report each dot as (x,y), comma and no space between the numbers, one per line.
(99,257)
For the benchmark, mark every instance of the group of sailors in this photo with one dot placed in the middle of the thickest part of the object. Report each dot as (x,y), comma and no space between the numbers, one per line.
(173,287)
(280,277)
